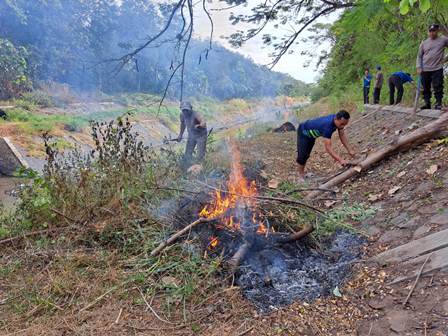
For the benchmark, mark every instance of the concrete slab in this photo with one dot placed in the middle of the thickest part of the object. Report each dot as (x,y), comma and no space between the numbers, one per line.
(10,157)
(433,114)
(415,248)
(438,261)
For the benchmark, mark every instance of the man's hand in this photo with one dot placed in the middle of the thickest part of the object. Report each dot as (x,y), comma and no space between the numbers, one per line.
(419,71)
(201,125)
(343,162)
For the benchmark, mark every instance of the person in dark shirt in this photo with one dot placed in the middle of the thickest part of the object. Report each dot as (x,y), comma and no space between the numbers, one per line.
(396,81)
(379,79)
(310,130)
(197,132)
(366,85)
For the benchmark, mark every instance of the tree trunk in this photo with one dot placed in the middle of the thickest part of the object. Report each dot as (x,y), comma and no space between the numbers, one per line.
(402,143)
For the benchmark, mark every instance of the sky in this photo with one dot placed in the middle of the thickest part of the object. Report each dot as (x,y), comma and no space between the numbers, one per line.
(291,63)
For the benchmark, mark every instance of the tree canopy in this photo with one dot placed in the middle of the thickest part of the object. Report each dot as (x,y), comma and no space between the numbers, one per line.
(81,42)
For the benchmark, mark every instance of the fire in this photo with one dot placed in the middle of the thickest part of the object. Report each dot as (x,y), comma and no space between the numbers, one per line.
(241,194)
(213,242)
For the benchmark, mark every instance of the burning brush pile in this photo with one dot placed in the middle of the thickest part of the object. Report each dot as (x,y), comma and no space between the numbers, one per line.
(272,268)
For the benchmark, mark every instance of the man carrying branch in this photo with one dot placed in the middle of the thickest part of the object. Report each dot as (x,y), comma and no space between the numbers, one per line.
(310,130)
(197,133)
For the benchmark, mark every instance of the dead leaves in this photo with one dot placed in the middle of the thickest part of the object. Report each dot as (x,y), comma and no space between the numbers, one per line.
(432,169)
(393,190)
(273,183)
(374,197)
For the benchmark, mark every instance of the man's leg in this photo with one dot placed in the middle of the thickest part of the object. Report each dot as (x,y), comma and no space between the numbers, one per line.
(189,149)
(202,147)
(376,95)
(426,78)
(366,95)
(391,91)
(304,148)
(437,85)
(400,90)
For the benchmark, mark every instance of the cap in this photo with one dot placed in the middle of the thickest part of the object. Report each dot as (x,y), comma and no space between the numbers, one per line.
(378,67)
(186,106)
(433,27)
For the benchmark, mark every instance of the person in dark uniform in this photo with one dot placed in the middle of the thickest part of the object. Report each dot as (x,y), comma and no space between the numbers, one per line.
(396,81)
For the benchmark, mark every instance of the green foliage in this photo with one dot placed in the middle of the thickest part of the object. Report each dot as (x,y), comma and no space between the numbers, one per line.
(370,34)
(13,70)
(406,5)
(340,218)
(38,97)
(69,40)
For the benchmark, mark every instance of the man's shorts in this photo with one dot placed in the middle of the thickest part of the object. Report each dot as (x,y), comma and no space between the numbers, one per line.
(305,145)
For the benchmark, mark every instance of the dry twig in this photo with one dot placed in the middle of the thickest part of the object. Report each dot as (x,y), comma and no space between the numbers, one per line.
(416,280)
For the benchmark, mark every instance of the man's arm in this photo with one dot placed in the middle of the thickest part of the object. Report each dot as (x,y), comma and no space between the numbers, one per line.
(329,149)
(344,141)
(201,123)
(419,60)
(182,127)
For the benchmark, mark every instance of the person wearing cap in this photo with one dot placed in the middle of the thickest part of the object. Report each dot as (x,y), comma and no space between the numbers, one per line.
(430,60)
(379,79)
(197,132)
(366,85)
(396,81)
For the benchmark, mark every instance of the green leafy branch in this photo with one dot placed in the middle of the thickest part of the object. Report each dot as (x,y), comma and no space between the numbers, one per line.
(406,5)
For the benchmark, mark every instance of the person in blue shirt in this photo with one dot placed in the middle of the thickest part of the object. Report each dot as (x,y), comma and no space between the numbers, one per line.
(396,81)
(310,130)
(366,85)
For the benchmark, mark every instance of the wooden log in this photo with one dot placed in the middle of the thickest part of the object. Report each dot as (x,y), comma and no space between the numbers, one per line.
(297,235)
(178,234)
(235,261)
(401,143)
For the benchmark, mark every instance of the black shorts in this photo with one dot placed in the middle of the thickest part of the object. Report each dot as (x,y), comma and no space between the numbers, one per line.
(305,145)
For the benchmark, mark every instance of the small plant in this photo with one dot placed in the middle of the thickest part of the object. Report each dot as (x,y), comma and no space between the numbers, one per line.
(37,97)
(339,219)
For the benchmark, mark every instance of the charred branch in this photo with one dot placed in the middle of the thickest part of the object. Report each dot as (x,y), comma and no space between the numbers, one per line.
(178,234)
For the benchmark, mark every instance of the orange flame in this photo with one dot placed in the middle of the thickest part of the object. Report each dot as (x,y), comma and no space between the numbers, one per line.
(213,242)
(241,193)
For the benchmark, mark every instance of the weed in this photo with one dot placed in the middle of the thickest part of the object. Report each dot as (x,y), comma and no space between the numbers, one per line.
(339,218)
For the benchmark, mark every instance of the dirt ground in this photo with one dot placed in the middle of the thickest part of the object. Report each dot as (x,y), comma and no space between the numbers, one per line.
(368,305)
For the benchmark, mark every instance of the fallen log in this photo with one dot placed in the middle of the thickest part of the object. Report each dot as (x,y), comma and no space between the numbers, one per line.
(178,234)
(401,143)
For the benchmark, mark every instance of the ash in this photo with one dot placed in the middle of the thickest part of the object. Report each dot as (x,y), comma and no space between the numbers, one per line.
(276,277)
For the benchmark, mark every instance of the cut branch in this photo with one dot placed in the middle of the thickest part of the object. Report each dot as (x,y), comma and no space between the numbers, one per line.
(402,143)
(178,234)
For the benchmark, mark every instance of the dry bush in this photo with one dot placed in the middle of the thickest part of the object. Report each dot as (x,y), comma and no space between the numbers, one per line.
(103,191)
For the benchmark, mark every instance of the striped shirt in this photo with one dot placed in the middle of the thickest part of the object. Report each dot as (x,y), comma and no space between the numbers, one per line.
(315,128)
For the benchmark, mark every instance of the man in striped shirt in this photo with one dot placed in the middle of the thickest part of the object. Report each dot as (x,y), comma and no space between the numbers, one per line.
(310,130)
